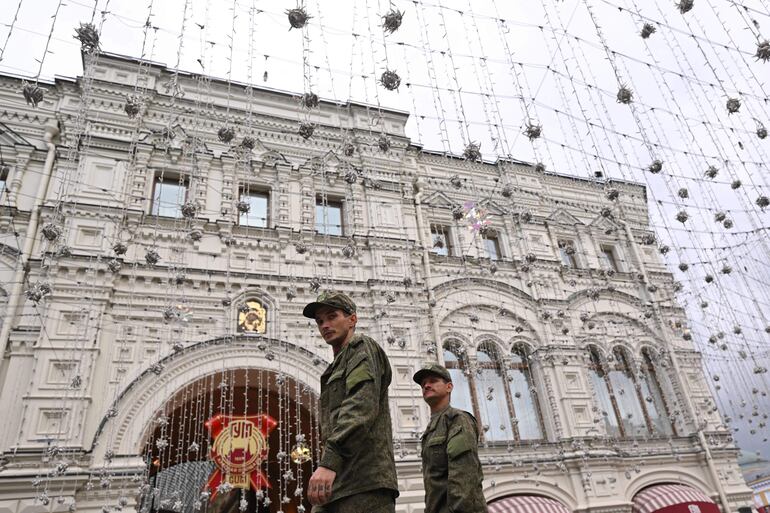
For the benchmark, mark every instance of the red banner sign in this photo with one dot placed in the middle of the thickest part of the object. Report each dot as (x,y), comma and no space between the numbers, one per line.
(238,450)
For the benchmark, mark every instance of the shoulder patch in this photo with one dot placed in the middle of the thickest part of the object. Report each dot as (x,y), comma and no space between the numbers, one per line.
(460,442)
(359,371)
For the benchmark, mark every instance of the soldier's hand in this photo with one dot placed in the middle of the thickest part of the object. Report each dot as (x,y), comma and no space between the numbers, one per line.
(320,486)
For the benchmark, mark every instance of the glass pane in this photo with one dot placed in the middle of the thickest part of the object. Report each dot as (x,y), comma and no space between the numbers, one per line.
(605,404)
(525,406)
(656,408)
(168,197)
(449,356)
(461,393)
(2,188)
(628,404)
(567,259)
(493,248)
(607,257)
(328,219)
(484,357)
(257,214)
(493,406)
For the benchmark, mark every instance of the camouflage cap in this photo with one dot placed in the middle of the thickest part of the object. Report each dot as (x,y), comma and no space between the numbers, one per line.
(330,298)
(434,369)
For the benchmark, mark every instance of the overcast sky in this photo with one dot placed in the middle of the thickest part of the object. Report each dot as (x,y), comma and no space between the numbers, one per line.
(556,63)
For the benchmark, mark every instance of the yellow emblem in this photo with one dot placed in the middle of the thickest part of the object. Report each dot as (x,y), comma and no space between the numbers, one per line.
(252,319)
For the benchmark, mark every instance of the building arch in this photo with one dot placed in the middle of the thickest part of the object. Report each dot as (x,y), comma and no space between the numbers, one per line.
(637,334)
(494,342)
(513,487)
(663,476)
(128,419)
(653,350)
(454,337)
(598,347)
(581,297)
(469,292)
(623,345)
(475,284)
(523,342)
(489,321)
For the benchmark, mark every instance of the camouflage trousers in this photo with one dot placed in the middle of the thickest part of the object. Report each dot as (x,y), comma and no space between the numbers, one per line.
(375,501)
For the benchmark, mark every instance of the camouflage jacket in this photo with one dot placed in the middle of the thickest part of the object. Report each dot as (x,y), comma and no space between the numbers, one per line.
(451,469)
(356,431)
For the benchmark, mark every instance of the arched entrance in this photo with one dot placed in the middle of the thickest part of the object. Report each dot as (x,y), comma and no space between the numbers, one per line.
(673,498)
(238,440)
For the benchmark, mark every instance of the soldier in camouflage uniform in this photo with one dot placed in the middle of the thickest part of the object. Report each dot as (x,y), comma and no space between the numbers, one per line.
(451,470)
(357,471)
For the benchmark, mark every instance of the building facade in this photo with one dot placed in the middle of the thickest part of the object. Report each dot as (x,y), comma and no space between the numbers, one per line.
(162,231)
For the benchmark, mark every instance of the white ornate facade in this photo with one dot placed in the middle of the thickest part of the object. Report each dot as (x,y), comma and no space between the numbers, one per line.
(585,338)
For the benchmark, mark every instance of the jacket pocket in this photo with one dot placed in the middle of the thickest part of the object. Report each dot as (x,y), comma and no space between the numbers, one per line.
(435,453)
(335,391)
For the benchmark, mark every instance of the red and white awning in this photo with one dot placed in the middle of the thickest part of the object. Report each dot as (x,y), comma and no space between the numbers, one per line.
(673,498)
(527,504)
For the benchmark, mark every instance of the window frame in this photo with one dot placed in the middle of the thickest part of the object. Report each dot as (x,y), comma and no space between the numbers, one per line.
(445,231)
(623,365)
(567,260)
(609,250)
(500,365)
(171,179)
(491,350)
(462,365)
(648,367)
(596,365)
(325,203)
(526,368)
(246,191)
(494,238)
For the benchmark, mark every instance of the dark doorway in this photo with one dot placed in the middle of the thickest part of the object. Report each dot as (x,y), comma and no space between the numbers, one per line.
(178,449)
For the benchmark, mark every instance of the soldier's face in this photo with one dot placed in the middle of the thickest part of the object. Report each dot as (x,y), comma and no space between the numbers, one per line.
(435,389)
(334,325)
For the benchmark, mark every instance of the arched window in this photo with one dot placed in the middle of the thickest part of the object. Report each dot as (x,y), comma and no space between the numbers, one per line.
(629,408)
(457,366)
(657,408)
(501,397)
(604,396)
(626,395)
(526,408)
(494,406)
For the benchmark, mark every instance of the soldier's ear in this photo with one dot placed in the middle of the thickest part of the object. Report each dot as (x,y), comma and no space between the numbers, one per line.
(449,386)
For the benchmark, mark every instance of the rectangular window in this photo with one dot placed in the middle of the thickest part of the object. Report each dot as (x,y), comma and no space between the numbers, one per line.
(257,214)
(492,247)
(168,196)
(608,259)
(441,244)
(328,217)
(567,253)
